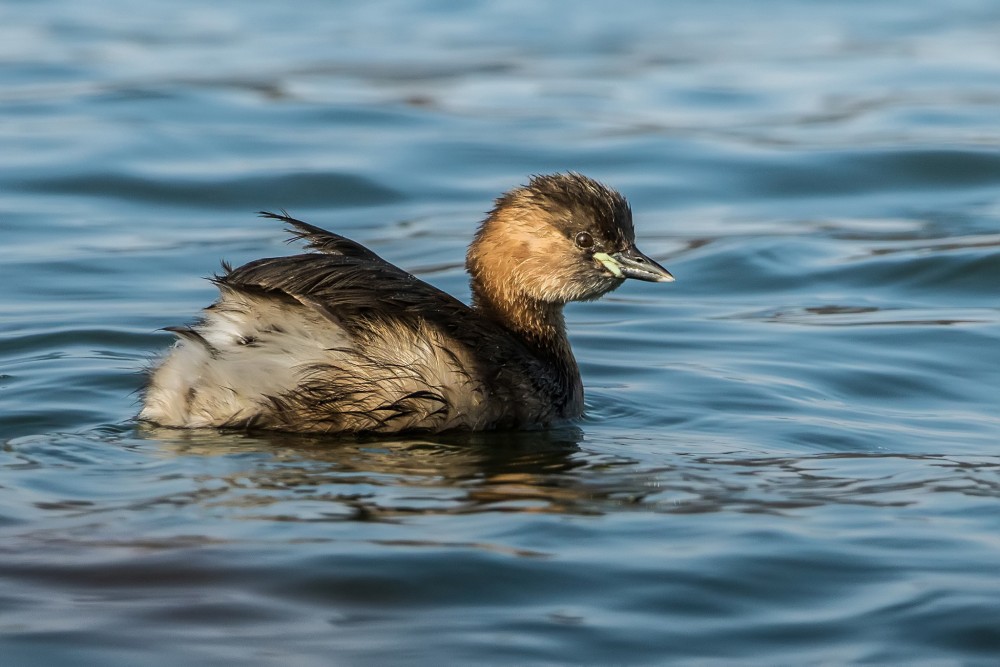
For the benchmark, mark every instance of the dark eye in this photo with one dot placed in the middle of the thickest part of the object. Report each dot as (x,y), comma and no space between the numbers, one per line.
(584,240)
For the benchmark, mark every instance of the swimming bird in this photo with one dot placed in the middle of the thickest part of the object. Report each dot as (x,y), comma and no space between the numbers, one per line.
(338,340)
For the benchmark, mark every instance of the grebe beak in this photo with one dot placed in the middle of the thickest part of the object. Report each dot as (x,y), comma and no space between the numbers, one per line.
(630,263)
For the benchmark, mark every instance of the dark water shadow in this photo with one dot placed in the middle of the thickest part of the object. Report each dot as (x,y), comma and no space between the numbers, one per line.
(545,472)
(388,478)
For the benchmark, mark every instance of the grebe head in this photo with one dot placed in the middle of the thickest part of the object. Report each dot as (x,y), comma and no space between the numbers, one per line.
(562,237)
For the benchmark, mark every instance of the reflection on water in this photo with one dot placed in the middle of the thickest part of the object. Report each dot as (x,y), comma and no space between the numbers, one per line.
(270,476)
(359,479)
(255,541)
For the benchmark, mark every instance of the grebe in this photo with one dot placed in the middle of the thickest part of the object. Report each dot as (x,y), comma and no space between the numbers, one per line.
(339,340)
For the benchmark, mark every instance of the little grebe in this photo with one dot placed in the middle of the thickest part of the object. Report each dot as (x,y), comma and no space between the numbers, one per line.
(339,340)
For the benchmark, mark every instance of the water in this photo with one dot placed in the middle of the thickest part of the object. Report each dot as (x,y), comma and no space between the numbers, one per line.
(790,455)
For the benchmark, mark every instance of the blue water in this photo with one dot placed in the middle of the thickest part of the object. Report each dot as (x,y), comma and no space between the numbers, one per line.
(790,456)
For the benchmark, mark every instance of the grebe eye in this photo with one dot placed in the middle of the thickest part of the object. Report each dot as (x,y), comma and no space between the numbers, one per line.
(584,240)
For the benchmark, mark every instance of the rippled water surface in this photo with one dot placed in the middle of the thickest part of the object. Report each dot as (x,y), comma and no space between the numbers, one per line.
(790,455)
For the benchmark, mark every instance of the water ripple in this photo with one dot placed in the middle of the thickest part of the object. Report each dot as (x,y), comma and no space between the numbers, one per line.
(295,189)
